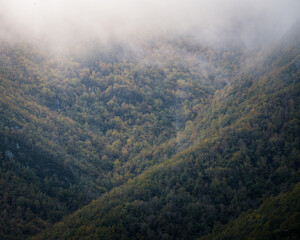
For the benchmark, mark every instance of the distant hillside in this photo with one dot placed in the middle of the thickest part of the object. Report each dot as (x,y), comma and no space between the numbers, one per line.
(246,149)
(74,127)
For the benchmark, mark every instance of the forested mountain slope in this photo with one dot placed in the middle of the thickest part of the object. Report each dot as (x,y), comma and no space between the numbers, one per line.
(277,218)
(247,150)
(74,127)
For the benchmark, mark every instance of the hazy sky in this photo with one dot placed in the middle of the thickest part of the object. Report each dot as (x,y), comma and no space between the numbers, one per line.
(63,22)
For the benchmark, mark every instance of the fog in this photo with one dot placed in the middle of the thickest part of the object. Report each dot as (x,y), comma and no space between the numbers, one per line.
(67,23)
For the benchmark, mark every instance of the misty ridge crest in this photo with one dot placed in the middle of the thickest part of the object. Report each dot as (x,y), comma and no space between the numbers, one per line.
(61,25)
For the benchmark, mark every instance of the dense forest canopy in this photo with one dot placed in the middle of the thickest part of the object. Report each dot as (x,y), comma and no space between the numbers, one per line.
(120,131)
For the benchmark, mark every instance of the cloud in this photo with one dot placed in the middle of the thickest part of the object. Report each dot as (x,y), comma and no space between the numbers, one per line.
(68,22)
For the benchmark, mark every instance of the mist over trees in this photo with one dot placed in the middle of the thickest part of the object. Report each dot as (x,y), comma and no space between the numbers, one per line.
(149,119)
(61,24)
